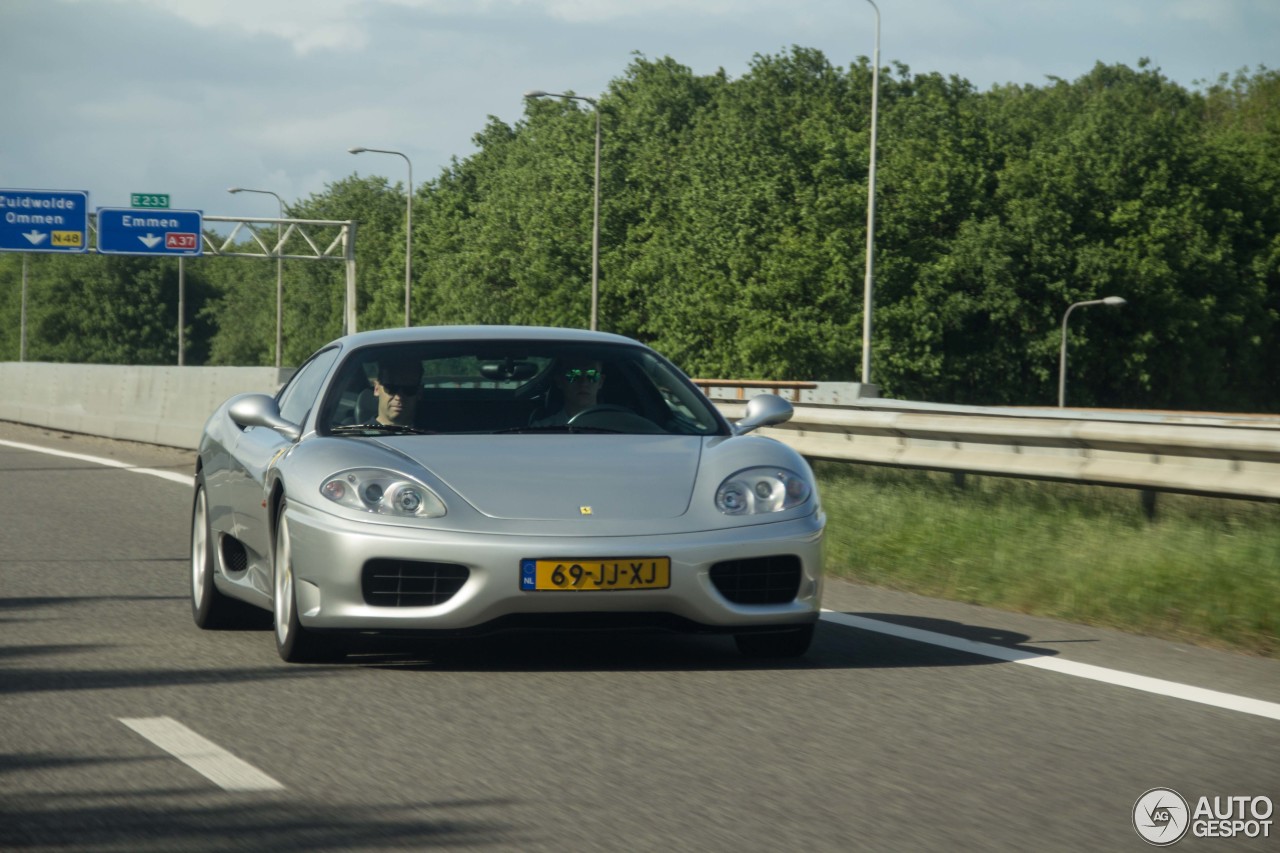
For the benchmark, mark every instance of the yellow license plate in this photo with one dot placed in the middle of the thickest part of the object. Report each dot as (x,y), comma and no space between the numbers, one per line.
(598,575)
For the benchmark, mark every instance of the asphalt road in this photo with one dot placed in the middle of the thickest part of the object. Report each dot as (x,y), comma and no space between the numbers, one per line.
(568,742)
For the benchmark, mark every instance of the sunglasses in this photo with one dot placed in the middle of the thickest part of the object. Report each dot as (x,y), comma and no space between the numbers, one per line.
(591,375)
(399,390)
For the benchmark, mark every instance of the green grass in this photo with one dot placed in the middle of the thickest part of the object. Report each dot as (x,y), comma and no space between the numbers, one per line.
(1204,571)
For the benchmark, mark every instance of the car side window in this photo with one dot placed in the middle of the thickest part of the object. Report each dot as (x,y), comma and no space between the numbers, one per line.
(299,395)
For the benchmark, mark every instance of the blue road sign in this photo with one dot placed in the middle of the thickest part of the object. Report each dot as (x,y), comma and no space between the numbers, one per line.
(130,231)
(44,220)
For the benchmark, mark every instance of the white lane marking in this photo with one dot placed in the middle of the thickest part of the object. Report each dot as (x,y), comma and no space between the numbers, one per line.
(100,460)
(1159,686)
(202,755)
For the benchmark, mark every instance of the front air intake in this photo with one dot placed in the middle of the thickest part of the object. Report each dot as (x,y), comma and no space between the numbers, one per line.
(758,580)
(411,583)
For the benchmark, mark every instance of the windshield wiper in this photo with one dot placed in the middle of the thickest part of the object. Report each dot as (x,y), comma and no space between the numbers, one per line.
(377,429)
(554,428)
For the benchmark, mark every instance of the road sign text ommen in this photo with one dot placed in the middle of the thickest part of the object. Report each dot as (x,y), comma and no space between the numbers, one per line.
(128,221)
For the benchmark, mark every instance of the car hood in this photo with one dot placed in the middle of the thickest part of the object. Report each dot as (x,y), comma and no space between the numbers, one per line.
(560,477)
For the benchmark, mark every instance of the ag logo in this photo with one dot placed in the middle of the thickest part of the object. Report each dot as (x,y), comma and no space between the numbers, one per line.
(1161,816)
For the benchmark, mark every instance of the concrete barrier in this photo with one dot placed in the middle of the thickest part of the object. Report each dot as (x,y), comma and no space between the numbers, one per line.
(156,405)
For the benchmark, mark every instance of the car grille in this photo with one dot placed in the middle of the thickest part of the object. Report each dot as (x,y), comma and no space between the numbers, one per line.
(759,580)
(409,583)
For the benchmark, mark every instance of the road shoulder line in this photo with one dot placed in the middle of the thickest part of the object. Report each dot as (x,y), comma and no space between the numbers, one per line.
(1158,686)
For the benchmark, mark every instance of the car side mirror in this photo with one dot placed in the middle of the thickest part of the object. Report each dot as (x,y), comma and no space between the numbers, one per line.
(261,410)
(764,410)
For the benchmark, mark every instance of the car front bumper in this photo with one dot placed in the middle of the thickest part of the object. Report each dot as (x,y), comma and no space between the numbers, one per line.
(329,554)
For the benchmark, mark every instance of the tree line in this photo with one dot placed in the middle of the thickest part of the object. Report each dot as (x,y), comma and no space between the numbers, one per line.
(733,238)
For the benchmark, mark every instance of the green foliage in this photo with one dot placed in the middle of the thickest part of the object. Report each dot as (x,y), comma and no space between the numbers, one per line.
(509,230)
(244,313)
(763,262)
(733,238)
(1206,570)
(103,309)
(314,315)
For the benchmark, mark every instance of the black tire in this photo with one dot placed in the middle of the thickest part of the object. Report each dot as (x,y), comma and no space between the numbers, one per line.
(791,643)
(210,609)
(294,643)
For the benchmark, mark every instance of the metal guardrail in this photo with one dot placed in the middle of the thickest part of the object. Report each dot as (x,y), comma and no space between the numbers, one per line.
(1221,456)
(782,388)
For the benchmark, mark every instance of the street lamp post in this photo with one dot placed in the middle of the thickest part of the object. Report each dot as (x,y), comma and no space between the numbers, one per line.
(1115,301)
(871,209)
(595,215)
(408,227)
(279,270)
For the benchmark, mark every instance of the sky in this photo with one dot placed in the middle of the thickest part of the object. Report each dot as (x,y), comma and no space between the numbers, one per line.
(190,97)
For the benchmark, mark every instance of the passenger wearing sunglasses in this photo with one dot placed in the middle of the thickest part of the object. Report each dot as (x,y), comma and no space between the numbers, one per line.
(579,383)
(398,389)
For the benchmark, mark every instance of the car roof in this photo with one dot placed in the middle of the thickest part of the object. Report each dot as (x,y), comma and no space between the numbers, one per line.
(415,334)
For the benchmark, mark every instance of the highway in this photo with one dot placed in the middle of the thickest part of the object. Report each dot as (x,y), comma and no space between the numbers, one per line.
(914,724)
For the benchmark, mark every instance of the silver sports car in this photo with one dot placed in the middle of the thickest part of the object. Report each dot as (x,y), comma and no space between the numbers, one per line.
(472,479)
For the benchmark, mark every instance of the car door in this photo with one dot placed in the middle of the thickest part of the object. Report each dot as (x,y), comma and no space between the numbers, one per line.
(257,448)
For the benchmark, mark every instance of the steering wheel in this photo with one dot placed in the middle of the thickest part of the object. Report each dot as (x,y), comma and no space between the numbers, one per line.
(601,407)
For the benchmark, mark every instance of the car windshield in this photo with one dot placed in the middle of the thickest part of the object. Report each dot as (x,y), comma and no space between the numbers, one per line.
(513,387)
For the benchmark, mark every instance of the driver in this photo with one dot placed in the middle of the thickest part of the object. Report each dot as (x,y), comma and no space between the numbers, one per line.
(579,382)
(398,389)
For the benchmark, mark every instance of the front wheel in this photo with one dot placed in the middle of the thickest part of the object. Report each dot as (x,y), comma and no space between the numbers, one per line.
(791,643)
(294,643)
(209,607)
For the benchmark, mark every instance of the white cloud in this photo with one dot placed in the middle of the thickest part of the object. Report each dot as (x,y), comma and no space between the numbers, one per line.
(1228,15)
(602,11)
(307,25)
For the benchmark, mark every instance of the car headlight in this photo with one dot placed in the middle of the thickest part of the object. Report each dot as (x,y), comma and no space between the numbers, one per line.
(759,490)
(382,492)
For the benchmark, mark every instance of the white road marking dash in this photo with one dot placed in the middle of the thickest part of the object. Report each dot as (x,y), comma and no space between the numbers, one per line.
(202,755)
